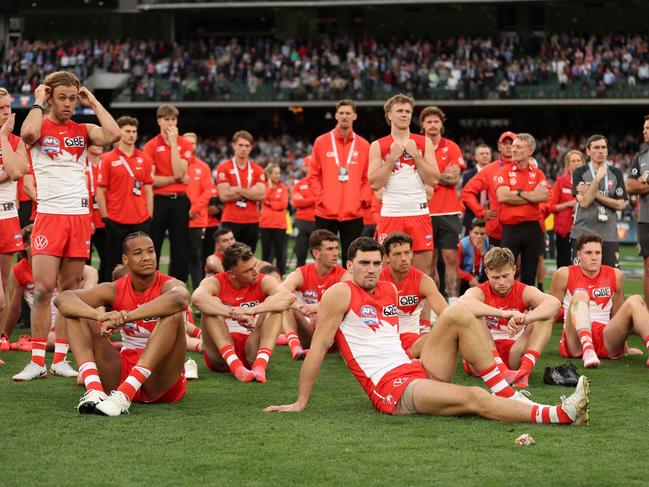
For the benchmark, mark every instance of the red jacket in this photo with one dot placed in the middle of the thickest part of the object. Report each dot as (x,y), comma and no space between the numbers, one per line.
(305,206)
(470,197)
(273,207)
(562,192)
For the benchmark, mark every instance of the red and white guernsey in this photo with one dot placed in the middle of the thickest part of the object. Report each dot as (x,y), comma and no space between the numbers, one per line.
(314,286)
(410,300)
(59,164)
(8,208)
(248,296)
(23,274)
(368,337)
(135,335)
(404,193)
(512,301)
(600,289)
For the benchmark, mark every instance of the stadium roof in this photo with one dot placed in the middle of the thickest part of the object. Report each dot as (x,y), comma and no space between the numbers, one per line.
(172,5)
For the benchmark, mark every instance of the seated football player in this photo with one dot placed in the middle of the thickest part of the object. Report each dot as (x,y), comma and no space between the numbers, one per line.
(147,308)
(309,282)
(517,341)
(361,316)
(229,303)
(223,238)
(415,290)
(597,318)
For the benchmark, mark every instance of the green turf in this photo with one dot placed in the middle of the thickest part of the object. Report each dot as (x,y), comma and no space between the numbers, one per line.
(217,435)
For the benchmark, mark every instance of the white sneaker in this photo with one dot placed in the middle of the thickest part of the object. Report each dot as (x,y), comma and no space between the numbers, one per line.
(31,371)
(89,401)
(114,405)
(576,405)
(63,369)
(191,370)
(523,396)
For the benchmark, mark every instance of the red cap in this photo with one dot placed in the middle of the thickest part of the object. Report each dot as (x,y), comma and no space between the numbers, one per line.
(507,135)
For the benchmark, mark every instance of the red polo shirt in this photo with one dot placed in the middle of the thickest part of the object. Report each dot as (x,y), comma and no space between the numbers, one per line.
(122,205)
(526,179)
(250,175)
(160,153)
(273,207)
(199,191)
(445,200)
(305,206)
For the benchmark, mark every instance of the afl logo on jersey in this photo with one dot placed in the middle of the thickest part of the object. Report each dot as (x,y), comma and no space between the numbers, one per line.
(369,316)
(602,292)
(51,145)
(408,300)
(310,296)
(74,141)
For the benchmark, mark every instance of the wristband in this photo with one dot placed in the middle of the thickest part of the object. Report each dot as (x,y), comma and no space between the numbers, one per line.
(36,105)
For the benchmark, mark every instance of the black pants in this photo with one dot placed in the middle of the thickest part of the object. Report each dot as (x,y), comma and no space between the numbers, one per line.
(247,233)
(494,242)
(304,230)
(115,234)
(172,215)
(24,212)
(196,260)
(369,230)
(563,250)
(208,242)
(349,230)
(273,244)
(99,243)
(525,240)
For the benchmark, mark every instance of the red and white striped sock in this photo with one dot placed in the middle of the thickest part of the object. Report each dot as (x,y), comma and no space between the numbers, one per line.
(236,365)
(134,381)
(261,363)
(61,348)
(294,344)
(38,350)
(196,332)
(90,376)
(496,382)
(198,347)
(646,342)
(586,339)
(499,362)
(528,361)
(549,414)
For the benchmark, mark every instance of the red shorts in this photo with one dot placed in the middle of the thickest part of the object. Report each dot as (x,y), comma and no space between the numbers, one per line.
(175,393)
(418,227)
(61,235)
(408,340)
(10,239)
(503,347)
(597,330)
(386,394)
(239,341)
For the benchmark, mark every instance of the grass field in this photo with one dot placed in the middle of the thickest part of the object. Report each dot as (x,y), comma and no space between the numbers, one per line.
(217,435)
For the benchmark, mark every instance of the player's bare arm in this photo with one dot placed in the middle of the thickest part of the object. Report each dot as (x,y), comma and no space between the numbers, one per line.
(451,176)
(426,164)
(335,301)
(618,297)
(30,131)
(293,281)
(544,307)
(15,163)
(107,132)
(434,298)
(213,264)
(173,298)
(559,283)
(473,300)
(586,197)
(379,171)
(612,203)
(83,303)
(277,299)
(206,299)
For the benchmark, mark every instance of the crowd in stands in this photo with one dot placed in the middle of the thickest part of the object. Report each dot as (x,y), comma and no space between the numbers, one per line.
(330,67)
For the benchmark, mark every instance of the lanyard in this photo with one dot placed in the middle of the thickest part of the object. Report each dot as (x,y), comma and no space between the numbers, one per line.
(592,171)
(127,166)
(91,177)
(335,149)
(236,169)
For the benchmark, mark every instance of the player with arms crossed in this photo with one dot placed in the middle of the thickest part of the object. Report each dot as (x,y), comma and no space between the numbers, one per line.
(61,235)
(402,164)
(519,316)
(229,302)
(413,287)
(361,316)
(147,307)
(597,318)
(311,280)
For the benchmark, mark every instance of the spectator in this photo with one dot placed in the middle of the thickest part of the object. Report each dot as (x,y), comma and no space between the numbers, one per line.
(303,199)
(272,221)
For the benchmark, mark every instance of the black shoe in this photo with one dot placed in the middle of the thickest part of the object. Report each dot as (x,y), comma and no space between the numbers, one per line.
(564,375)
